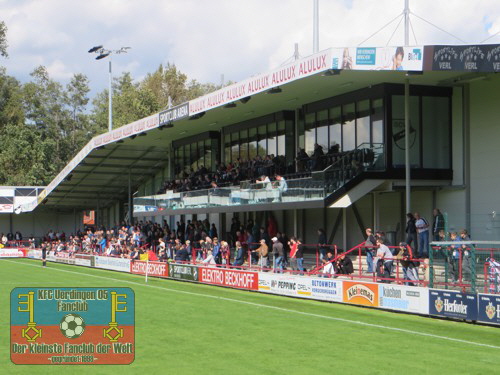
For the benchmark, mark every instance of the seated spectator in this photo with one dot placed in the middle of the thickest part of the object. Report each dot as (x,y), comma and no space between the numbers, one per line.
(239,257)
(328,267)
(182,255)
(343,265)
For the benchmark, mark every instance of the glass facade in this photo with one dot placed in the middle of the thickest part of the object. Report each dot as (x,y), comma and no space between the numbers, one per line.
(343,127)
(194,153)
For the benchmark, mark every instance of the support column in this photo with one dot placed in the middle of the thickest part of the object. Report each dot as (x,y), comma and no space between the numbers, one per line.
(344,228)
(130,201)
(407,146)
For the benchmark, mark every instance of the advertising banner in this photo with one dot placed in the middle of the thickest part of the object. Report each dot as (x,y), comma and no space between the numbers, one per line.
(110,263)
(378,58)
(11,253)
(183,271)
(35,254)
(469,58)
(84,260)
(227,277)
(326,289)
(71,326)
(453,304)
(173,114)
(360,293)
(159,269)
(404,298)
(300,68)
(285,285)
(488,308)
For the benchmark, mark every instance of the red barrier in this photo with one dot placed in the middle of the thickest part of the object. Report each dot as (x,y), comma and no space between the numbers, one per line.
(232,278)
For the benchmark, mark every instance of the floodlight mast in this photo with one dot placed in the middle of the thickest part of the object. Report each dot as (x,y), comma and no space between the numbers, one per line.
(103,53)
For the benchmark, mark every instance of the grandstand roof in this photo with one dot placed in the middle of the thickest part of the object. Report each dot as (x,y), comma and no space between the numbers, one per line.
(99,173)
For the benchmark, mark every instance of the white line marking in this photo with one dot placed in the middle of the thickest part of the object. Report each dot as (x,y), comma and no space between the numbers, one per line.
(272,307)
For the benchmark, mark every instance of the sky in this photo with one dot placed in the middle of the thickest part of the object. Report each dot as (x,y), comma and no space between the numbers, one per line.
(209,38)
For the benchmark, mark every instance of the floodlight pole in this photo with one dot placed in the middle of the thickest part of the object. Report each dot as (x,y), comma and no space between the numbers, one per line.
(110,95)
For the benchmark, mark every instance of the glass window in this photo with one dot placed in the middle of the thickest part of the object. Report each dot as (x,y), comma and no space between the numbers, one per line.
(252,143)
(363,123)
(310,132)
(348,127)
(271,140)
(262,143)
(378,121)
(244,145)
(227,149)
(208,155)
(398,131)
(281,138)
(436,132)
(235,146)
(322,129)
(335,129)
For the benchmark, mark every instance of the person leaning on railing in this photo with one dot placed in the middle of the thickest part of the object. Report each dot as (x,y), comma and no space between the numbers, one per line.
(410,267)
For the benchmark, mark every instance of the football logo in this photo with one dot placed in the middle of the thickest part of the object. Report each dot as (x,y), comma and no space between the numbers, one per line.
(490,311)
(439,304)
(72,326)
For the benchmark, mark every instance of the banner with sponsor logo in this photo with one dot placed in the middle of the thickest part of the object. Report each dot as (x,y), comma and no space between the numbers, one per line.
(285,285)
(326,289)
(183,271)
(84,260)
(34,253)
(453,304)
(404,298)
(360,293)
(11,253)
(115,264)
(469,58)
(301,68)
(378,58)
(158,269)
(227,277)
(173,114)
(488,308)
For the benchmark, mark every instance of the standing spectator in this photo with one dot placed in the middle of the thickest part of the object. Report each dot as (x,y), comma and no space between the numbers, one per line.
(213,231)
(293,250)
(466,256)
(385,261)
(239,255)
(225,252)
(370,241)
(438,223)
(263,253)
(299,255)
(423,235)
(278,255)
(280,188)
(216,251)
(323,248)
(411,230)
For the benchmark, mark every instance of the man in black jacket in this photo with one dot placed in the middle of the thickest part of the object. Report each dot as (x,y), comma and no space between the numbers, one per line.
(344,265)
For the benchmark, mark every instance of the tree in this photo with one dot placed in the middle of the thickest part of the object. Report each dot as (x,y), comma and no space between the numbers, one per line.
(3,39)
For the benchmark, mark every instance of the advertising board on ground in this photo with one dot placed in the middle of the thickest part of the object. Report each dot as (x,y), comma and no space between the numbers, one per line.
(11,253)
(115,264)
(453,304)
(227,277)
(404,298)
(488,308)
(84,260)
(360,293)
(183,271)
(285,285)
(34,254)
(158,269)
(326,289)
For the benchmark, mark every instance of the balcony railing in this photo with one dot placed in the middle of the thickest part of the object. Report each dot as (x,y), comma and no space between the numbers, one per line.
(317,187)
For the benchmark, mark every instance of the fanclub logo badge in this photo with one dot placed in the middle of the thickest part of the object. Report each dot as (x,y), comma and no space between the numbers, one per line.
(490,311)
(439,304)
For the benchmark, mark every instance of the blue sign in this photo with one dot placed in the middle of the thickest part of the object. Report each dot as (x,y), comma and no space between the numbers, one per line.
(366,56)
(453,304)
(489,308)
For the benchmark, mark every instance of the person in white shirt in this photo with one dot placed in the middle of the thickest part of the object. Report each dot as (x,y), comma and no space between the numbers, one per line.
(385,261)
(423,235)
(280,188)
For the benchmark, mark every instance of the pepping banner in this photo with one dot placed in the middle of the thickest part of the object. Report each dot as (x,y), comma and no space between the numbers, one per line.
(469,58)
(453,304)
(231,278)
(183,272)
(110,263)
(158,269)
(488,308)
(404,298)
(72,326)
(378,58)
(360,293)
(285,285)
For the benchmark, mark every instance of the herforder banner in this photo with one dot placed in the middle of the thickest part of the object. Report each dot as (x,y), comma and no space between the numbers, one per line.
(72,326)
(453,304)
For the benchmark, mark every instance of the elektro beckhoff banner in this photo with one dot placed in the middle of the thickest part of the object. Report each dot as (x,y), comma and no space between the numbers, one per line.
(77,326)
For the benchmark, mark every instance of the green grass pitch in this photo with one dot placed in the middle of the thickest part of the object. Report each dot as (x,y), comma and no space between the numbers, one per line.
(186,328)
